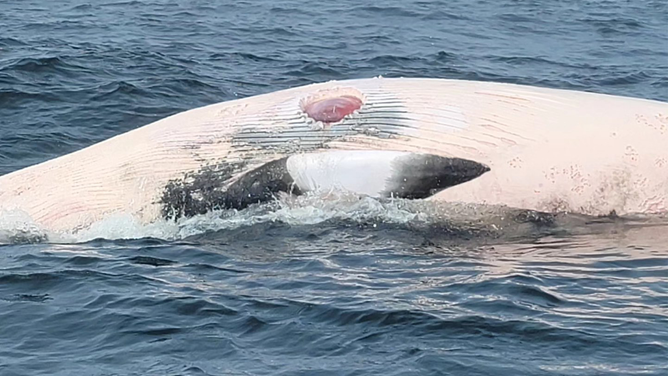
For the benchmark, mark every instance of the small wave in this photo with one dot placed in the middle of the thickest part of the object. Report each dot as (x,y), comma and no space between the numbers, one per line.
(82,7)
(614,25)
(122,4)
(534,60)
(438,14)
(10,42)
(16,97)
(392,60)
(274,32)
(386,11)
(40,65)
(34,298)
(241,56)
(117,88)
(292,11)
(624,78)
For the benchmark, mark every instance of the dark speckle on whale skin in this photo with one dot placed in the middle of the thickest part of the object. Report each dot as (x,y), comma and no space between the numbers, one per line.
(198,192)
(226,186)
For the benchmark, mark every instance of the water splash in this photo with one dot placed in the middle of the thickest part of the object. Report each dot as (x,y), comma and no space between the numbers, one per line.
(310,209)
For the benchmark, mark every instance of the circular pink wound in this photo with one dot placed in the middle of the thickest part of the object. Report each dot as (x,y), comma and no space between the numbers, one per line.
(331,110)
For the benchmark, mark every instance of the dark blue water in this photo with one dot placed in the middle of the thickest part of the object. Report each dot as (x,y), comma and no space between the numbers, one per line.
(319,289)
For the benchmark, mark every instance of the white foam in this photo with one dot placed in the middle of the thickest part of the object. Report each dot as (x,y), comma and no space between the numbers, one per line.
(309,209)
(16,225)
(126,227)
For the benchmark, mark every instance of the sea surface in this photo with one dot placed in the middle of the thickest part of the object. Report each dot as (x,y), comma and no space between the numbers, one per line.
(308,286)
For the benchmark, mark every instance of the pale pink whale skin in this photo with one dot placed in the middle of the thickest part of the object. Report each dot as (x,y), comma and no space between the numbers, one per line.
(550,150)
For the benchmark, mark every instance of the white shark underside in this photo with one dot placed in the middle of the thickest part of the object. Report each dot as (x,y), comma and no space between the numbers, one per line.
(542,149)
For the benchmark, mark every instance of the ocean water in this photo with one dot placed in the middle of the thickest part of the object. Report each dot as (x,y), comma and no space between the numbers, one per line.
(311,286)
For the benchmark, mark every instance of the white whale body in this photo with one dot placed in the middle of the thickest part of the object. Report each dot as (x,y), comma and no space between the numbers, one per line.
(440,140)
